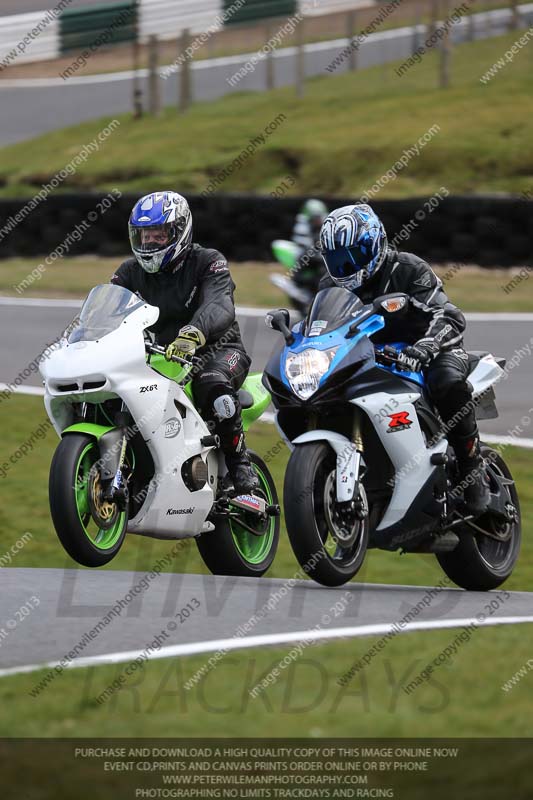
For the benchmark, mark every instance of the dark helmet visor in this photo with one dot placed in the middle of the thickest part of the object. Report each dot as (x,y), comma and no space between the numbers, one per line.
(343,262)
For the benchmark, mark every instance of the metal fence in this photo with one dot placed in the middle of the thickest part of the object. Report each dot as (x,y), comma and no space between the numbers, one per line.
(28,37)
(47,35)
(42,36)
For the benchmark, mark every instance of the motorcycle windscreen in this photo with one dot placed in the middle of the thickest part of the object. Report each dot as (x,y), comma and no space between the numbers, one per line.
(103,312)
(331,308)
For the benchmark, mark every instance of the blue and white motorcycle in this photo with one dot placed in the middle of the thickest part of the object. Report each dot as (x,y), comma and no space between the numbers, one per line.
(371,466)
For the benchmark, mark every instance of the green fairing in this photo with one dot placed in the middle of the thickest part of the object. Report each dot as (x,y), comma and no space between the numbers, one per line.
(172,370)
(89,428)
(286,253)
(261,397)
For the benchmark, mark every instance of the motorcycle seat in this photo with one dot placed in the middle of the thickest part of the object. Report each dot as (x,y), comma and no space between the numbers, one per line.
(475,356)
(245,398)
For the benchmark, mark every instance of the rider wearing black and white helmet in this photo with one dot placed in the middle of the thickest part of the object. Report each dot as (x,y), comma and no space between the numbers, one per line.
(358,257)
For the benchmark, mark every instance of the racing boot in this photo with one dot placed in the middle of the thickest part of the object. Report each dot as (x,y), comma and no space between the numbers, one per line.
(472,473)
(242,474)
(240,470)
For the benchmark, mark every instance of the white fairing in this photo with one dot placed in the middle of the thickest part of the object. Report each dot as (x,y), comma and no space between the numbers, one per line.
(486,373)
(348,459)
(118,360)
(405,446)
(289,288)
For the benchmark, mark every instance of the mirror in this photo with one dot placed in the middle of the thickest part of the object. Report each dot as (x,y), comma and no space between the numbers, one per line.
(280,320)
(389,304)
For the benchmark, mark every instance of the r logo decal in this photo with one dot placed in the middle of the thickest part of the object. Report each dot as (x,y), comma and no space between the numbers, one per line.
(399,421)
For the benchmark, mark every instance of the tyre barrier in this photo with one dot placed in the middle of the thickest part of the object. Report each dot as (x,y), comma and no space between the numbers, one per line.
(484,230)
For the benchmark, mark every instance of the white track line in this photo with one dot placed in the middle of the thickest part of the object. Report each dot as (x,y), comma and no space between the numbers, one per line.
(266,640)
(500,316)
(512,440)
(37,391)
(205,63)
(253,311)
(210,63)
(43,302)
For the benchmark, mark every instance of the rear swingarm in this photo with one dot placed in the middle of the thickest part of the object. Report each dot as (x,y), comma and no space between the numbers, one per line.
(256,506)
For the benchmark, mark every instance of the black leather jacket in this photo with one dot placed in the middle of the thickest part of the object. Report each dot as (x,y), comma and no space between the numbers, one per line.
(199,293)
(429,314)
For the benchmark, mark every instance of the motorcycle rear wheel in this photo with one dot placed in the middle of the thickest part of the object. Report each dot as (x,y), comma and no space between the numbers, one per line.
(231,549)
(481,563)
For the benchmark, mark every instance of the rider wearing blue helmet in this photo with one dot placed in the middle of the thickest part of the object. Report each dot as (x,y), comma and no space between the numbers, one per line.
(358,257)
(192,287)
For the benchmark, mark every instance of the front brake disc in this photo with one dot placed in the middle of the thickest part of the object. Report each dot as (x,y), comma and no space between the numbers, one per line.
(103,512)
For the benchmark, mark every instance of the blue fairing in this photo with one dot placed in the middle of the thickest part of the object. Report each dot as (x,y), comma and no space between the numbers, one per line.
(337,338)
(417,377)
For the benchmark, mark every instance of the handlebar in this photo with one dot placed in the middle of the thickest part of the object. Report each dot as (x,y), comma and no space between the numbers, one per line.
(389,355)
(160,351)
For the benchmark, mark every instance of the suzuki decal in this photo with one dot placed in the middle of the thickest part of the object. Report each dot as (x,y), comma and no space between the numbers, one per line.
(399,422)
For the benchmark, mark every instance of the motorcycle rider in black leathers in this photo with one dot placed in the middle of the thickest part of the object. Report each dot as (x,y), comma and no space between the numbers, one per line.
(192,287)
(357,256)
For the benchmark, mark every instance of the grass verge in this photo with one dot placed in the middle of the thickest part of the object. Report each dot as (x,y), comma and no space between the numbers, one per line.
(470,288)
(336,140)
(462,698)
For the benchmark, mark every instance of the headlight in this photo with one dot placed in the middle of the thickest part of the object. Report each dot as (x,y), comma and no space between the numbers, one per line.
(304,370)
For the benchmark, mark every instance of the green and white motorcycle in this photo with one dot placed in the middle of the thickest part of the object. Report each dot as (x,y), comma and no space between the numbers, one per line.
(300,293)
(136,456)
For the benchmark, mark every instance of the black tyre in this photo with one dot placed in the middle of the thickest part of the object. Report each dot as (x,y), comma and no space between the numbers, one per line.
(314,518)
(91,532)
(481,562)
(231,549)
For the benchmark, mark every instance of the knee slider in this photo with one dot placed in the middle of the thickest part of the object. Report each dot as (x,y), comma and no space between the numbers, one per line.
(224,407)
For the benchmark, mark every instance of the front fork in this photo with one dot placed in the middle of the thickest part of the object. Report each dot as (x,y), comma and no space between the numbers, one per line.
(113,446)
(350,463)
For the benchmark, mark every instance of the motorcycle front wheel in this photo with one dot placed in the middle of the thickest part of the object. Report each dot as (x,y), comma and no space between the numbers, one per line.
(91,530)
(327,537)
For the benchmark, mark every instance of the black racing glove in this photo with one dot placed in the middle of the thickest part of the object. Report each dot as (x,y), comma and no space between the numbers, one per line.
(418,356)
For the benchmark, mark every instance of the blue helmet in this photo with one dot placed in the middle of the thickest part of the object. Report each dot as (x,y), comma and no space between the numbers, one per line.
(160,230)
(353,244)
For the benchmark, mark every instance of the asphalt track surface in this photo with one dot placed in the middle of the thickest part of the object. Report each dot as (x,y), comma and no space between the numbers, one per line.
(32,107)
(29,325)
(73,602)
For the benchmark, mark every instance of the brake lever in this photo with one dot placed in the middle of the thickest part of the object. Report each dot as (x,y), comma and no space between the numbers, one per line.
(389,355)
(187,362)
